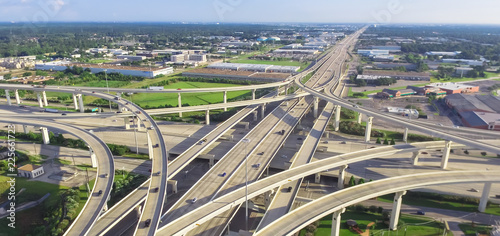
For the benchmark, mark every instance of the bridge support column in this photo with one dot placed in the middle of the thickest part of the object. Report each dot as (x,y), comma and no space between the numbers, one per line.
(179,100)
(75,101)
(396,208)
(337,117)
(286,89)
(255,115)
(225,100)
(172,183)
(267,198)
(262,110)
(315,107)
(93,157)
(207,117)
(25,129)
(7,95)
(139,126)
(44,95)
(368,131)
(360,117)
(278,90)
(317,178)
(340,182)
(39,98)
(405,136)
(253,94)
(45,135)
(126,121)
(150,147)
(211,162)
(484,197)
(16,93)
(336,219)
(446,154)
(414,158)
(80,103)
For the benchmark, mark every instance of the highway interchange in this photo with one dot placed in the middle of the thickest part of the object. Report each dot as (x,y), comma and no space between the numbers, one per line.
(263,143)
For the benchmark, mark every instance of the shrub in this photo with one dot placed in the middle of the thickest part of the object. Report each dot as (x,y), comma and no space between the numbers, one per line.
(352,181)
(361,181)
(466,152)
(393,142)
(386,142)
(378,141)
(311,228)
(372,209)
(483,154)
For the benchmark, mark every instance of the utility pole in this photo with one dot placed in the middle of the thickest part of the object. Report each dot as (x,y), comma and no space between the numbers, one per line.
(246,141)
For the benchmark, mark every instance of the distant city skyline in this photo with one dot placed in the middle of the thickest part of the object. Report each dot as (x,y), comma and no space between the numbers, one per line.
(235,11)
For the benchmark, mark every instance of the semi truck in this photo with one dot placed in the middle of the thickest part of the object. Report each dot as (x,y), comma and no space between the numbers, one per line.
(51,110)
(157,88)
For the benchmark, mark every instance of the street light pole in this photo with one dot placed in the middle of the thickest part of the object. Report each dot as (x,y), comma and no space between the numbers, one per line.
(246,141)
(107,86)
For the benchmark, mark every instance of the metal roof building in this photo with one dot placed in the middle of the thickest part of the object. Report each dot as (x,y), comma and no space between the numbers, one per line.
(254,67)
(479,103)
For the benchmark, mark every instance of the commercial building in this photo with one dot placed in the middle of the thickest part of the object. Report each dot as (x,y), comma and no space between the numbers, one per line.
(254,67)
(453,88)
(479,103)
(389,93)
(124,70)
(30,171)
(403,111)
(376,74)
(451,54)
(369,52)
(464,61)
(480,120)
(391,49)
(238,44)
(131,58)
(148,54)
(427,91)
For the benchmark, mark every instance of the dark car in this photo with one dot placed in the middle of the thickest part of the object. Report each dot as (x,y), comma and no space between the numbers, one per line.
(420,213)
(63,114)
(156,145)
(147,223)
(157,189)
(223,174)
(99,193)
(119,112)
(290,189)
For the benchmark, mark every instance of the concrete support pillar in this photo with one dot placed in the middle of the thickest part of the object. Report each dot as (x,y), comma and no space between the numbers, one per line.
(396,208)
(446,154)
(225,100)
(262,110)
(179,100)
(7,95)
(211,162)
(337,117)
(253,94)
(405,136)
(286,89)
(80,103)
(39,97)
(278,90)
(317,178)
(140,127)
(16,93)
(340,182)
(414,158)
(484,197)
(126,121)
(368,131)
(207,117)
(45,135)
(267,198)
(360,117)
(315,107)
(25,129)
(173,185)
(326,134)
(255,115)
(105,208)
(150,146)
(75,102)
(336,219)
(44,95)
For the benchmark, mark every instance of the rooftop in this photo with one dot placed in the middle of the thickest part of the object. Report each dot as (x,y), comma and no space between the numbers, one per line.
(393,73)
(29,167)
(463,102)
(450,86)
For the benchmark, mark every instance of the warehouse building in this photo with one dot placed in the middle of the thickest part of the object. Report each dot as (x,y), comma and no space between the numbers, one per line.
(453,88)
(254,67)
(124,70)
(480,120)
(396,75)
(479,103)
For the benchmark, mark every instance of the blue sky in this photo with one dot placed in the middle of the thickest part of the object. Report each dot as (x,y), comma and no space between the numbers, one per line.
(328,11)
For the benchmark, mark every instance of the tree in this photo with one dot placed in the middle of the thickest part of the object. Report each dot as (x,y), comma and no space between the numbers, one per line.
(393,142)
(26,74)
(483,154)
(7,76)
(359,69)
(361,181)
(378,141)
(352,181)
(386,142)
(466,152)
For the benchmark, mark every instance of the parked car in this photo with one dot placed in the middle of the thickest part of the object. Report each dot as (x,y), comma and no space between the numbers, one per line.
(256,165)
(420,213)
(194,200)
(157,189)
(290,189)
(147,223)
(223,174)
(99,193)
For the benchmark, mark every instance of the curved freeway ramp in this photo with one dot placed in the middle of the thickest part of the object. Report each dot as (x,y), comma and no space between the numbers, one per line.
(301,217)
(105,165)
(193,219)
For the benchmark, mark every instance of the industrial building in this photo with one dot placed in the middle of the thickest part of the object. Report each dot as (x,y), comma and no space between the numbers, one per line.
(465,61)
(131,58)
(370,52)
(480,120)
(254,67)
(296,51)
(238,44)
(451,54)
(407,66)
(124,70)
(453,88)
(376,74)
(391,49)
(479,103)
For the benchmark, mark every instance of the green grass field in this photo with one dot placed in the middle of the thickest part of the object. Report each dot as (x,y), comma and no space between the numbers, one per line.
(193,99)
(471,231)
(464,79)
(363,219)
